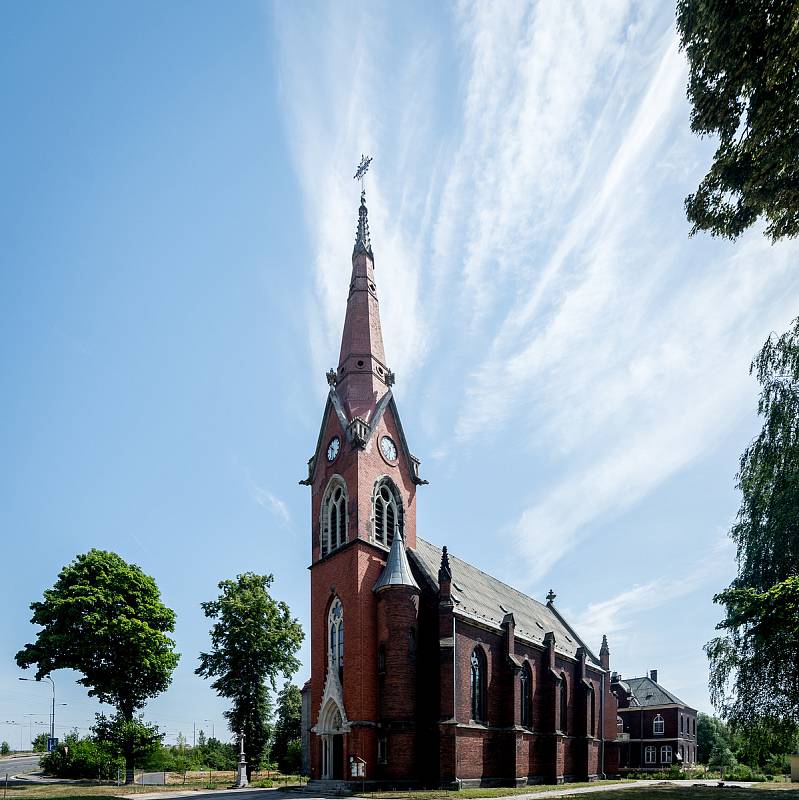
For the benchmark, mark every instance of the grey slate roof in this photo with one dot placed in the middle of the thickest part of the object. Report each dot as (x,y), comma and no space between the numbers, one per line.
(648,693)
(397,571)
(480,596)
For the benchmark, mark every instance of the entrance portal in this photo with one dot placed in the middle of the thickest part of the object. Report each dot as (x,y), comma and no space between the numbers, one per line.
(333,757)
(331,730)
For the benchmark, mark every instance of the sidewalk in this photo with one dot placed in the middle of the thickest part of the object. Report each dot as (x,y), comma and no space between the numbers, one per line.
(559,791)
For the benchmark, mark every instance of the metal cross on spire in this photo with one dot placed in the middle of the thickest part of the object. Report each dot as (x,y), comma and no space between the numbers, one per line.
(360,173)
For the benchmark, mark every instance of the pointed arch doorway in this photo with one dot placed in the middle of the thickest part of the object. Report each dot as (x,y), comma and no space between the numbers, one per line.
(331,730)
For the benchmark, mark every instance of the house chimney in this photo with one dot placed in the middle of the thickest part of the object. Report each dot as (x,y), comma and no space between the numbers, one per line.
(653,675)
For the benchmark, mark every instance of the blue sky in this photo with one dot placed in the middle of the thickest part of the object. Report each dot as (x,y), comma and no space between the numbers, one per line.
(177,219)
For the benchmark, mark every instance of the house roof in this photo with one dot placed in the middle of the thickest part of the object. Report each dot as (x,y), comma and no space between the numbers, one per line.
(649,693)
(482,597)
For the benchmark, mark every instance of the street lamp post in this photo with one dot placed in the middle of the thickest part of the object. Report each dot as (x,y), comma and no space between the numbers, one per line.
(52,713)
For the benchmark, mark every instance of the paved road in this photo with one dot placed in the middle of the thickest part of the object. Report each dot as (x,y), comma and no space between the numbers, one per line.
(19,766)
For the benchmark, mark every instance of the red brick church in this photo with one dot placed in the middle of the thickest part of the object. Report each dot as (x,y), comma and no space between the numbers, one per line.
(425,670)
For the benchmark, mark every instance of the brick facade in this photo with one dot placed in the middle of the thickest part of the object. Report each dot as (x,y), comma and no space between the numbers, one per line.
(656,729)
(403,704)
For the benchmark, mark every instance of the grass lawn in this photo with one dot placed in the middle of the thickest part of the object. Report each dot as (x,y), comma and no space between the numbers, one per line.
(653,791)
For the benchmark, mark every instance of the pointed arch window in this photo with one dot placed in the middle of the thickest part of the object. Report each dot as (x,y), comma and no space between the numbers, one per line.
(478,684)
(526,695)
(658,726)
(335,627)
(333,522)
(564,703)
(388,516)
(592,700)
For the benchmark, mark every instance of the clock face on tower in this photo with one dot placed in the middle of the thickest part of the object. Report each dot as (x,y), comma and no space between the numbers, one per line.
(333,448)
(388,448)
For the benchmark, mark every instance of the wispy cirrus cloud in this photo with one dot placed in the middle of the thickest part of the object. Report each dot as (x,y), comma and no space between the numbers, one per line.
(271,502)
(536,276)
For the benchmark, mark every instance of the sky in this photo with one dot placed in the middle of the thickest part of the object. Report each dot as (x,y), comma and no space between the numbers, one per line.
(177,222)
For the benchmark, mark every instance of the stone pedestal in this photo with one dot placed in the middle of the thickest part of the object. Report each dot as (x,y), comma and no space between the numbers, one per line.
(241,775)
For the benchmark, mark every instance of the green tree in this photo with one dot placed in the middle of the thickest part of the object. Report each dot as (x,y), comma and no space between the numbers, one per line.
(710,731)
(754,664)
(4,749)
(722,758)
(40,742)
(132,739)
(104,618)
(288,726)
(744,89)
(253,639)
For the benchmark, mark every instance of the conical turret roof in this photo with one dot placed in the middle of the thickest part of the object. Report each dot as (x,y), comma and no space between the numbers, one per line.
(397,571)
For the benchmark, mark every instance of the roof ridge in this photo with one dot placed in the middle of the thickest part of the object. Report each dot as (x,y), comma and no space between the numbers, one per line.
(488,575)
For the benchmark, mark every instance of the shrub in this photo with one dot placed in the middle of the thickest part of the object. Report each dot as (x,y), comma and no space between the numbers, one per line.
(4,749)
(82,758)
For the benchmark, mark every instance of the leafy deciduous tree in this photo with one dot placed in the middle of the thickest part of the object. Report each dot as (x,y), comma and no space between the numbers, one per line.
(288,727)
(253,639)
(744,88)
(104,618)
(754,665)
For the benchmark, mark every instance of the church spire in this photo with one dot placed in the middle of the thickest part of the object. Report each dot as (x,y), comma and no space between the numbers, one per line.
(362,377)
(362,242)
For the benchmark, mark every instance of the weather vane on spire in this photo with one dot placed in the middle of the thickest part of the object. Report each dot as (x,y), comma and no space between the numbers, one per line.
(360,173)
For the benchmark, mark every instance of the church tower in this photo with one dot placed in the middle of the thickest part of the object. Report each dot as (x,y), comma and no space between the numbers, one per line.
(364,599)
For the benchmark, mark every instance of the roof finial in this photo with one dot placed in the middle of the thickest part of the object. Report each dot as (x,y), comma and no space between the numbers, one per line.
(362,242)
(445,571)
(551,597)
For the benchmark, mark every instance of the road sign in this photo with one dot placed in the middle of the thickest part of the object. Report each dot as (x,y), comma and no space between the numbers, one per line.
(52,744)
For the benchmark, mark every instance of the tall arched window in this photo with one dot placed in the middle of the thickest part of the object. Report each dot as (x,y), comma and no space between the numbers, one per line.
(478,684)
(592,700)
(564,703)
(333,522)
(388,516)
(335,626)
(619,725)
(526,695)
(658,726)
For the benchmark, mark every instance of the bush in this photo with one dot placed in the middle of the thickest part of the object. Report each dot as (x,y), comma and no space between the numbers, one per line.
(4,749)
(82,758)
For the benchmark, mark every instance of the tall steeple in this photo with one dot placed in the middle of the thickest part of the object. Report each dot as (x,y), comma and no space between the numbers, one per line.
(362,377)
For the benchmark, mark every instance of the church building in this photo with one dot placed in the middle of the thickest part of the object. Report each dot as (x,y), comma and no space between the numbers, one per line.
(425,670)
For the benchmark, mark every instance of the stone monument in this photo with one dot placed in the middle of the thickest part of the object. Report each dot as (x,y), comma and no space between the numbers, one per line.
(241,767)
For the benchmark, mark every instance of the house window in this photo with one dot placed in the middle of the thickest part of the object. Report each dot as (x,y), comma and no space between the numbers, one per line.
(592,700)
(658,726)
(694,726)
(387,508)
(382,750)
(335,626)
(564,703)
(665,754)
(649,754)
(478,684)
(619,725)
(333,522)
(526,695)
(682,722)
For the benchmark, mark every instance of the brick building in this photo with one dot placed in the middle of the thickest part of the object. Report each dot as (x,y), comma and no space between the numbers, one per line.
(424,669)
(656,729)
